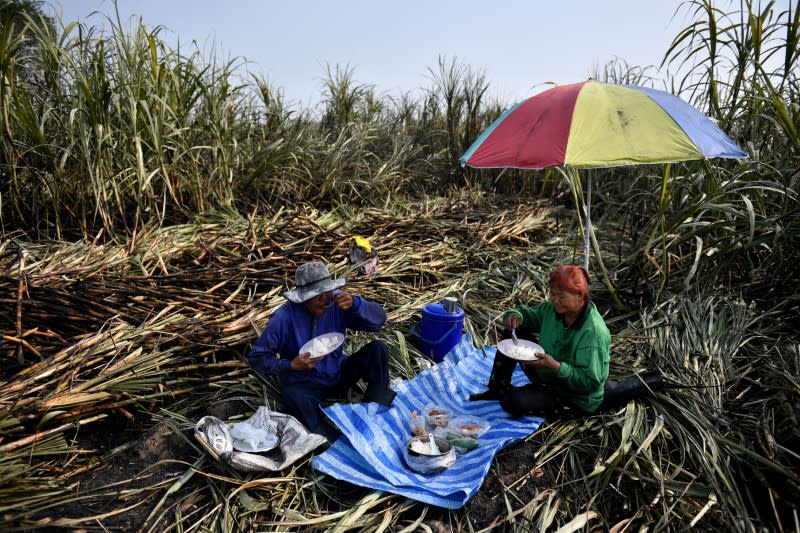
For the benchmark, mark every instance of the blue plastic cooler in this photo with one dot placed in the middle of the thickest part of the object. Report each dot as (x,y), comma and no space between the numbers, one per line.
(439,330)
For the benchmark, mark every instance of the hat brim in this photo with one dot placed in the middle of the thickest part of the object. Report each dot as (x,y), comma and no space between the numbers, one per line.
(299,296)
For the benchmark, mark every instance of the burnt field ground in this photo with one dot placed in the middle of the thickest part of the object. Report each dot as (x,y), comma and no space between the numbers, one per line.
(112,353)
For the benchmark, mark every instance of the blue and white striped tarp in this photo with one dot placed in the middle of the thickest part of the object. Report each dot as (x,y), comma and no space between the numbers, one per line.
(370,452)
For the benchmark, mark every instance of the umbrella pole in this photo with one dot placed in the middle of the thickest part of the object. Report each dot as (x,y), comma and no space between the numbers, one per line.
(589,236)
(588,229)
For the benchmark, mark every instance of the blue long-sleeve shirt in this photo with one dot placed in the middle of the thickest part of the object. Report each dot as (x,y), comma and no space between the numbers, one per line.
(291,326)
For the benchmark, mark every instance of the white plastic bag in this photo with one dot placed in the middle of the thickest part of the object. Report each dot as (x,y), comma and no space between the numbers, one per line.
(294,441)
(248,438)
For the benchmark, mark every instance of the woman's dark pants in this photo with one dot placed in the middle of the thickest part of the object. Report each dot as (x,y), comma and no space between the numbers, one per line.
(537,399)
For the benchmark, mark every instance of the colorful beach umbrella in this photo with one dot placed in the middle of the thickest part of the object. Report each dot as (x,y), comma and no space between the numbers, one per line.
(595,125)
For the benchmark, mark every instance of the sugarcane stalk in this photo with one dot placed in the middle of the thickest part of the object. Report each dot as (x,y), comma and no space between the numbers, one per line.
(20,292)
(32,439)
(22,342)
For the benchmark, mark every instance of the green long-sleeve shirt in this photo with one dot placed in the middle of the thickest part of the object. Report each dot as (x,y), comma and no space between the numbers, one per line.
(582,349)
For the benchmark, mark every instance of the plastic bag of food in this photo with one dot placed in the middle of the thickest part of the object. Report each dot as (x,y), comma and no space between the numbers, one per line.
(418,425)
(437,416)
(468,426)
(462,444)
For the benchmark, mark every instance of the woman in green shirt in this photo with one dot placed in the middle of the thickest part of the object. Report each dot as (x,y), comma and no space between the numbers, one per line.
(573,370)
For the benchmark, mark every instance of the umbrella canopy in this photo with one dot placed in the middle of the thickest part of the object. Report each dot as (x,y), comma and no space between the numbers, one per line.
(592,124)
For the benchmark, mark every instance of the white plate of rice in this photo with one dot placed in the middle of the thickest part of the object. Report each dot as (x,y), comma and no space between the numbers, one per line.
(522,351)
(323,344)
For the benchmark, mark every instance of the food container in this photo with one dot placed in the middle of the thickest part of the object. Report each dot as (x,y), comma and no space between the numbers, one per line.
(418,425)
(420,456)
(438,331)
(468,426)
(436,416)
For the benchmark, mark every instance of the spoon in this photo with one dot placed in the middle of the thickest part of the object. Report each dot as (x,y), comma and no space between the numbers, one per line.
(331,301)
(514,336)
(434,447)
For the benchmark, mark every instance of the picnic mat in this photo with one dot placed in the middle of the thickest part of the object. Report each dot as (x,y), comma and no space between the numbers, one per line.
(370,451)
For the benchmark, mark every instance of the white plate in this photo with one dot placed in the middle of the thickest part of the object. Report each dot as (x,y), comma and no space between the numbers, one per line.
(507,346)
(325,337)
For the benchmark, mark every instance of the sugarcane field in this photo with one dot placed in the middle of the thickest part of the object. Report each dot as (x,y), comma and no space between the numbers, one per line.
(225,312)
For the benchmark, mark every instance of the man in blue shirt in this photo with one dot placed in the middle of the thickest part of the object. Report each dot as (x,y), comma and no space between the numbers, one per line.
(316,306)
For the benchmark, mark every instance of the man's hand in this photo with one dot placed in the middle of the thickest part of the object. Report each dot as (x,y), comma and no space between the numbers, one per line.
(304,362)
(343,300)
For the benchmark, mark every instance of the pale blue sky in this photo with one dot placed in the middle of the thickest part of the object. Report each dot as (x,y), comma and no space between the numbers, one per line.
(519,44)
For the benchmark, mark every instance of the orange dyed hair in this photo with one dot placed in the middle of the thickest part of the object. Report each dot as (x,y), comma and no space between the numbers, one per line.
(571,278)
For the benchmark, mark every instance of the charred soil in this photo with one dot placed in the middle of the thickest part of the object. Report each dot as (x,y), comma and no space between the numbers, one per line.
(129,479)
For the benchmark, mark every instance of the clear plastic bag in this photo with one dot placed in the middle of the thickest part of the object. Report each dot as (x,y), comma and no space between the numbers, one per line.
(437,416)
(463,432)
(418,425)
(468,426)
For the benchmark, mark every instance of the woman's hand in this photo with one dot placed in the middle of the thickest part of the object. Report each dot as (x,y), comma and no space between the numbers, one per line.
(343,300)
(544,361)
(304,362)
(512,321)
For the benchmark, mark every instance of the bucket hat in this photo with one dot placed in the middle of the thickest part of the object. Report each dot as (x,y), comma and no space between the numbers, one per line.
(312,279)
